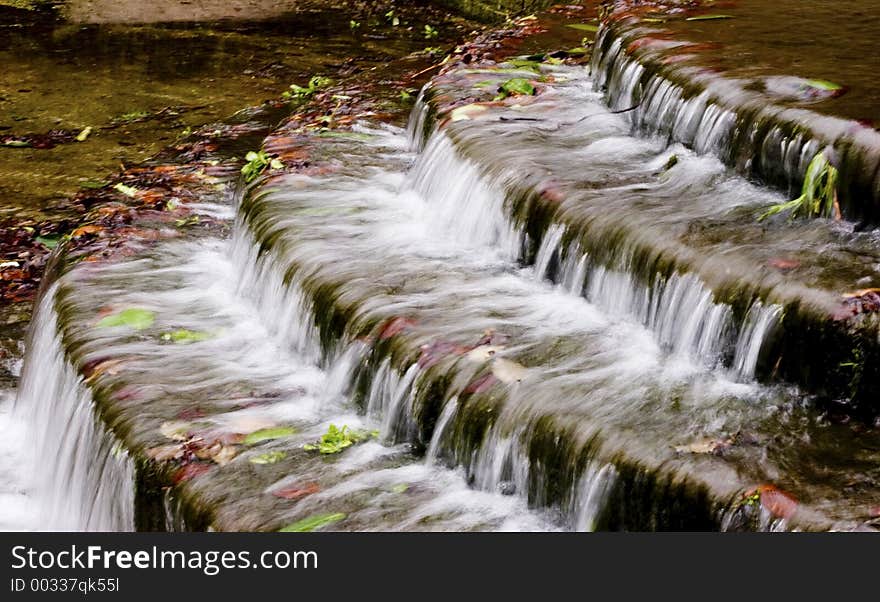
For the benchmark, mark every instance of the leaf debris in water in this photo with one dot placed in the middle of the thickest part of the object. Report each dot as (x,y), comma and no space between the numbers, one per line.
(81,137)
(269,457)
(709,17)
(583,27)
(133,317)
(268,435)
(312,523)
(184,337)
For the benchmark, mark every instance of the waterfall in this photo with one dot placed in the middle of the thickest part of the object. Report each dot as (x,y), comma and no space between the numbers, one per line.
(85,477)
(408,291)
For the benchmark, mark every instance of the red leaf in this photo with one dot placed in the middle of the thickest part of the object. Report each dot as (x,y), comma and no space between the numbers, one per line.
(295,492)
(781,263)
(777,502)
(190,471)
(395,326)
(484,383)
(437,350)
(191,413)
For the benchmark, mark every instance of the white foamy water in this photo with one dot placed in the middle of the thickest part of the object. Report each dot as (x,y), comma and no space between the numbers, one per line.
(599,348)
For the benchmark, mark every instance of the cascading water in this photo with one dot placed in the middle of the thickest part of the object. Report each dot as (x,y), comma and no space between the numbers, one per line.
(85,477)
(520,377)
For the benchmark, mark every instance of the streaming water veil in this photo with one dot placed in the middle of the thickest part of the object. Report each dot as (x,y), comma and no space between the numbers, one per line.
(85,478)
(425,234)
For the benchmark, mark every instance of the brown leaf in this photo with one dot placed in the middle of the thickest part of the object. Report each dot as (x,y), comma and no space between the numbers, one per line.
(175,429)
(164,453)
(87,229)
(705,446)
(111,367)
(860,302)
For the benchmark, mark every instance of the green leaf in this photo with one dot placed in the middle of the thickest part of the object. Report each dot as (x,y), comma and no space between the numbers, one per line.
(93,184)
(400,488)
(345,135)
(526,64)
(337,439)
(81,137)
(268,435)
(50,242)
(312,523)
(823,84)
(517,86)
(583,27)
(269,457)
(818,193)
(126,190)
(133,317)
(709,17)
(184,336)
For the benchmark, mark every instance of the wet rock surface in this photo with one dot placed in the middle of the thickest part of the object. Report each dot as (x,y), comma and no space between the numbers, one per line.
(507,318)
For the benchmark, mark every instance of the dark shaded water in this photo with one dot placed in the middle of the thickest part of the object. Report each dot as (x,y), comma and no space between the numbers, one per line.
(813,39)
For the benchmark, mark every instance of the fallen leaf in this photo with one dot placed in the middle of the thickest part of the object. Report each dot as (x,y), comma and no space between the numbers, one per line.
(783,264)
(467,112)
(395,326)
(164,453)
(224,455)
(312,523)
(517,86)
(109,367)
(583,27)
(184,337)
(861,302)
(87,229)
(508,371)
(295,492)
(434,352)
(268,434)
(126,190)
(777,502)
(708,17)
(81,137)
(704,446)
(481,384)
(190,471)
(483,353)
(135,318)
(269,457)
(176,430)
